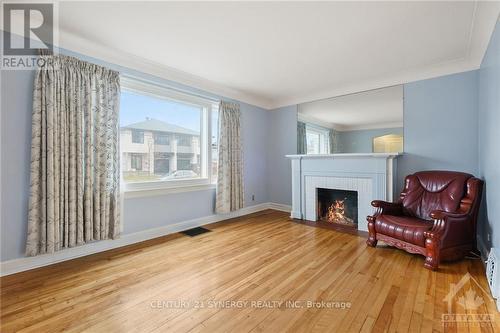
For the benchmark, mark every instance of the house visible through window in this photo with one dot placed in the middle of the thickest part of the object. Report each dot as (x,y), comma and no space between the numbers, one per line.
(166,137)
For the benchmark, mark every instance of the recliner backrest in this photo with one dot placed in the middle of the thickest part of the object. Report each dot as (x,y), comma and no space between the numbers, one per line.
(427,191)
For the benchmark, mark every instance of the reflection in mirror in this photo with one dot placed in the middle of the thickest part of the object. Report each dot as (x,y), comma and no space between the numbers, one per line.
(388,143)
(366,122)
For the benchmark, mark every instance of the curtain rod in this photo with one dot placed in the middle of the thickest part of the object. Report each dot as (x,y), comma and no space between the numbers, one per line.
(169,87)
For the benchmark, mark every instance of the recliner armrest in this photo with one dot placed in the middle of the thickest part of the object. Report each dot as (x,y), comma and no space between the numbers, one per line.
(390,208)
(441,215)
(450,228)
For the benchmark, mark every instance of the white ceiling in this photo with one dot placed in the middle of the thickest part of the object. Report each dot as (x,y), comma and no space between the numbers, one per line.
(379,108)
(273,54)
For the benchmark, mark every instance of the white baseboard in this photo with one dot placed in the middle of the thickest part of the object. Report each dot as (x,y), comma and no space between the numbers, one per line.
(280,207)
(26,263)
(484,258)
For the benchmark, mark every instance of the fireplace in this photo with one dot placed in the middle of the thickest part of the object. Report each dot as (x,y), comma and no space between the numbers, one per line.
(338,206)
(371,175)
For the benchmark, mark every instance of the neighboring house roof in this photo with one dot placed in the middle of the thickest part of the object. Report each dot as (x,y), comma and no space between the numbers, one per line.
(155,125)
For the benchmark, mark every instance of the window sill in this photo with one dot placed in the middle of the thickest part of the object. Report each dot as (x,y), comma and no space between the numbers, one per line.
(159,191)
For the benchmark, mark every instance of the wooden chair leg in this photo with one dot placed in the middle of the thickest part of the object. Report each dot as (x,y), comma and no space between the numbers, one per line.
(372,238)
(433,256)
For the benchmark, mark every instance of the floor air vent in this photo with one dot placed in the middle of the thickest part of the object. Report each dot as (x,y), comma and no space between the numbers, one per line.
(195,231)
(493,272)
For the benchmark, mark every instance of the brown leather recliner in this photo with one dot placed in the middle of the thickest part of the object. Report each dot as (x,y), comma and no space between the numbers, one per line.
(435,216)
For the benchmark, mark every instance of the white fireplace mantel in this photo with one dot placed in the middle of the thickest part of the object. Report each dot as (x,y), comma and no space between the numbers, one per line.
(346,155)
(372,175)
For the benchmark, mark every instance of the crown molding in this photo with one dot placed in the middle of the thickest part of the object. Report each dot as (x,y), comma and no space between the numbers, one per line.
(395,124)
(75,43)
(80,45)
(416,74)
(346,128)
(480,32)
(313,120)
(481,29)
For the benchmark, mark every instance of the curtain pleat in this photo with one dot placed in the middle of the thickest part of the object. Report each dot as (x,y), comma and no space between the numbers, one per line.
(74,189)
(333,141)
(229,193)
(301,138)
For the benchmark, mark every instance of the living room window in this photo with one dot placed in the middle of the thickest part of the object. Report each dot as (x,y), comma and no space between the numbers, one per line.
(167,137)
(317,140)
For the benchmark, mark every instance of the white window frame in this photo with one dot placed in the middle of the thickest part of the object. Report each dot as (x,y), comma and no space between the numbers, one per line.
(153,89)
(324,141)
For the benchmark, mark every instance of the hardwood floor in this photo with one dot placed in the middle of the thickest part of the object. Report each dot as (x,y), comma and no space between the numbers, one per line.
(180,284)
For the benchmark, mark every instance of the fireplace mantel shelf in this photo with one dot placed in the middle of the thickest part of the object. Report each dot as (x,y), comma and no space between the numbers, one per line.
(347,155)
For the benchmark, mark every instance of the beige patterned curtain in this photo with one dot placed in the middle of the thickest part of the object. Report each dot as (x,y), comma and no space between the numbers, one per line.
(74,156)
(333,141)
(301,138)
(229,193)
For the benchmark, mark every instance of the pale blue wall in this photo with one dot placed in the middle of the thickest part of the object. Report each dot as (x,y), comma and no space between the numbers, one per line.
(282,141)
(139,213)
(489,140)
(440,125)
(16,94)
(361,141)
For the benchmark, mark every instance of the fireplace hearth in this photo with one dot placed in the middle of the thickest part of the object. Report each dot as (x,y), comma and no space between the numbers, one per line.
(338,207)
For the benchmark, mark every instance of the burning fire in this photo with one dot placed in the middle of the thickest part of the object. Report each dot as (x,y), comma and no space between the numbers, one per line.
(336,213)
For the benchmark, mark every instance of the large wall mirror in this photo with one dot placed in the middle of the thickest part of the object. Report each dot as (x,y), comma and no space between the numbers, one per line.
(365,122)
